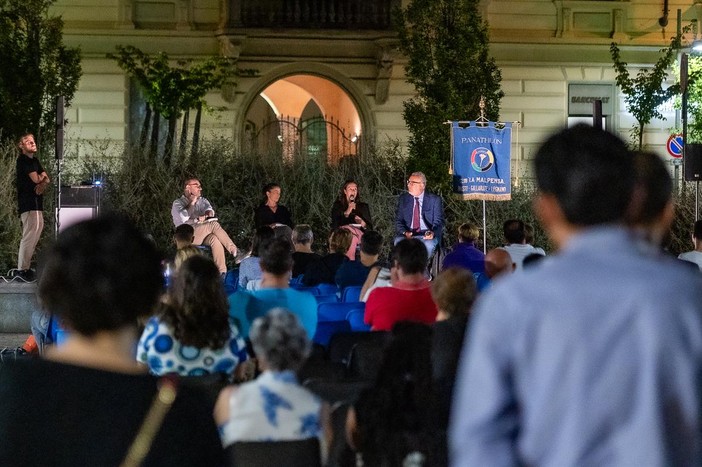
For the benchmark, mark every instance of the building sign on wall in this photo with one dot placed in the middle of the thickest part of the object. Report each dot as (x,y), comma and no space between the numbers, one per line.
(582,96)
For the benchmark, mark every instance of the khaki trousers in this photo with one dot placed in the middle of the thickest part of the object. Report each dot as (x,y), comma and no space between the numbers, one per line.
(32,225)
(213,235)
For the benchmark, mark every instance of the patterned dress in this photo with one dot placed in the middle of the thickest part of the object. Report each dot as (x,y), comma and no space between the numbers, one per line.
(160,350)
(274,407)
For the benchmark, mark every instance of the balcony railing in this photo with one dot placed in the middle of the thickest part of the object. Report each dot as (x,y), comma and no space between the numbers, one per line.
(312,14)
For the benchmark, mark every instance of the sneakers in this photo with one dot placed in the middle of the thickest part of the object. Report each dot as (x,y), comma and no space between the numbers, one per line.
(27,275)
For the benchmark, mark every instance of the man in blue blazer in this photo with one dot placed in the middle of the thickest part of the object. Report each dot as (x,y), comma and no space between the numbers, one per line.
(419,214)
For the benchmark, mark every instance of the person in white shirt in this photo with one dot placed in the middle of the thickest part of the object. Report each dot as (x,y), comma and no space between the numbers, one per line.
(515,233)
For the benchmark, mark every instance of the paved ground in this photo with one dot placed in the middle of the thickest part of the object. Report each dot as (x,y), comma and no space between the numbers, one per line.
(12,340)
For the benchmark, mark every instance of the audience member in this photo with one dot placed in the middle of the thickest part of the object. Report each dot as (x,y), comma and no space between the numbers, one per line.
(191,332)
(274,407)
(515,233)
(465,254)
(85,402)
(695,256)
(409,298)
(378,276)
(324,270)
(497,263)
(454,292)
(395,422)
(556,394)
(184,236)
(276,264)
(419,214)
(652,209)
(192,208)
(302,238)
(356,272)
(250,267)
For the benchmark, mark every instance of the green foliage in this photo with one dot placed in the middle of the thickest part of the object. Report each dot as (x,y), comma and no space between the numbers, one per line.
(446,42)
(172,90)
(694,99)
(36,68)
(644,93)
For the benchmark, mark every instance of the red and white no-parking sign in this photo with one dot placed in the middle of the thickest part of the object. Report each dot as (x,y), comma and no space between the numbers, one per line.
(675,146)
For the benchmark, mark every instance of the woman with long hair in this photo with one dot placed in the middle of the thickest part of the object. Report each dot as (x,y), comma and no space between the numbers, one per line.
(348,209)
(250,267)
(191,333)
(393,423)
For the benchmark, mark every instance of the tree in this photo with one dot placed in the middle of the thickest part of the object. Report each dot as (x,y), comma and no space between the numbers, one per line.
(446,42)
(36,68)
(644,93)
(170,91)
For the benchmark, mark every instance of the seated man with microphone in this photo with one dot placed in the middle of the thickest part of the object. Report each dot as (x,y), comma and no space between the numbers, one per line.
(192,208)
(351,213)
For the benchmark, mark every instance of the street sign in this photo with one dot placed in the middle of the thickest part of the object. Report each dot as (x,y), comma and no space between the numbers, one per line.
(675,146)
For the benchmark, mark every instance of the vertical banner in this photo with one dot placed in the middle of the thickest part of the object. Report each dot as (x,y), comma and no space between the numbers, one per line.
(481,160)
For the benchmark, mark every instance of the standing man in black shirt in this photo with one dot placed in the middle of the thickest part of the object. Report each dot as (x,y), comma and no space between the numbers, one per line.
(32,180)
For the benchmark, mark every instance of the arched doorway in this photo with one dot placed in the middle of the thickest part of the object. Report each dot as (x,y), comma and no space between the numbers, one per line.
(303,115)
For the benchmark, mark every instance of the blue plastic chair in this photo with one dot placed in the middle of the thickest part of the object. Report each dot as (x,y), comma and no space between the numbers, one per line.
(351,293)
(337,311)
(313,290)
(326,329)
(327,289)
(327,298)
(355,319)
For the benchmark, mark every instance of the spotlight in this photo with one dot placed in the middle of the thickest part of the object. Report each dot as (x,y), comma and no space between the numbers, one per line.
(697,46)
(354,138)
(280,138)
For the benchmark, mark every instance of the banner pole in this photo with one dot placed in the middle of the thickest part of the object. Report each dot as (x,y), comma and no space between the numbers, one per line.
(484,230)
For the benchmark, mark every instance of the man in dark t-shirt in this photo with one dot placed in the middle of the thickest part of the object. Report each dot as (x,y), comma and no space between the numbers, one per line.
(32,181)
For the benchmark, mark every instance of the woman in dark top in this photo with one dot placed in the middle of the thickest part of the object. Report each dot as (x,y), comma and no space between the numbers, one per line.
(348,209)
(394,422)
(270,212)
(323,270)
(84,402)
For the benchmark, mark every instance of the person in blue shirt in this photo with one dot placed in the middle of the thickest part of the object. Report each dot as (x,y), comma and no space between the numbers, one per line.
(275,292)
(594,357)
(465,254)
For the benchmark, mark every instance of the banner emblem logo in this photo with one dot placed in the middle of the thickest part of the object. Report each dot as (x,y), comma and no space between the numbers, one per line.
(482,160)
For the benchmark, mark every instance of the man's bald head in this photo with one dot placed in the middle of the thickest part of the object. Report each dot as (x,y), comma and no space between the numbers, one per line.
(497,262)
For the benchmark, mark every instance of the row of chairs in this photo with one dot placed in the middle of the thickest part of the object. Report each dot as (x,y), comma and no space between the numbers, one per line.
(331,293)
(336,317)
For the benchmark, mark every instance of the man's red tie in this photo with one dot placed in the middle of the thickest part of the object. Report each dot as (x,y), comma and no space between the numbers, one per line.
(415,215)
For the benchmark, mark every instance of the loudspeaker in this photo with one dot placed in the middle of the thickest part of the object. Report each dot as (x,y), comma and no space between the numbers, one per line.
(78,203)
(692,162)
(59,126)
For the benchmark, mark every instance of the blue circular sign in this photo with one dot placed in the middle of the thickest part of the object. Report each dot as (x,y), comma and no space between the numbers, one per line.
(675,146)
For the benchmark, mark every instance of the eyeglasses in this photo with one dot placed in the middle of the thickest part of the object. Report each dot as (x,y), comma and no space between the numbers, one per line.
(412,182)
(194,184)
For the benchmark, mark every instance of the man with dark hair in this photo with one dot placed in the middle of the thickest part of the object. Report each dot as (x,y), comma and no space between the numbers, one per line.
(194,209)
(276,264)
(593,357)
(184,236)
(409,297)
(32,181)
(695,256)
(515,233)
(355,272)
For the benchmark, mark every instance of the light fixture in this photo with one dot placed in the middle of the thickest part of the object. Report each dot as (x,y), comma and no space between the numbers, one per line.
(280,138)
(354,138)
(697,46)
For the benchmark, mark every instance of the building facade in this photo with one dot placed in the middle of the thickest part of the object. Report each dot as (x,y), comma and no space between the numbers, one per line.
(322,61)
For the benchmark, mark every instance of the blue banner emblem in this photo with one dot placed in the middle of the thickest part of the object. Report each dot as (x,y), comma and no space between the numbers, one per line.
(481,160)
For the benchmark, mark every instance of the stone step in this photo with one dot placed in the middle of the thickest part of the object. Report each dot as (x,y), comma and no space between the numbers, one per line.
(17,302)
